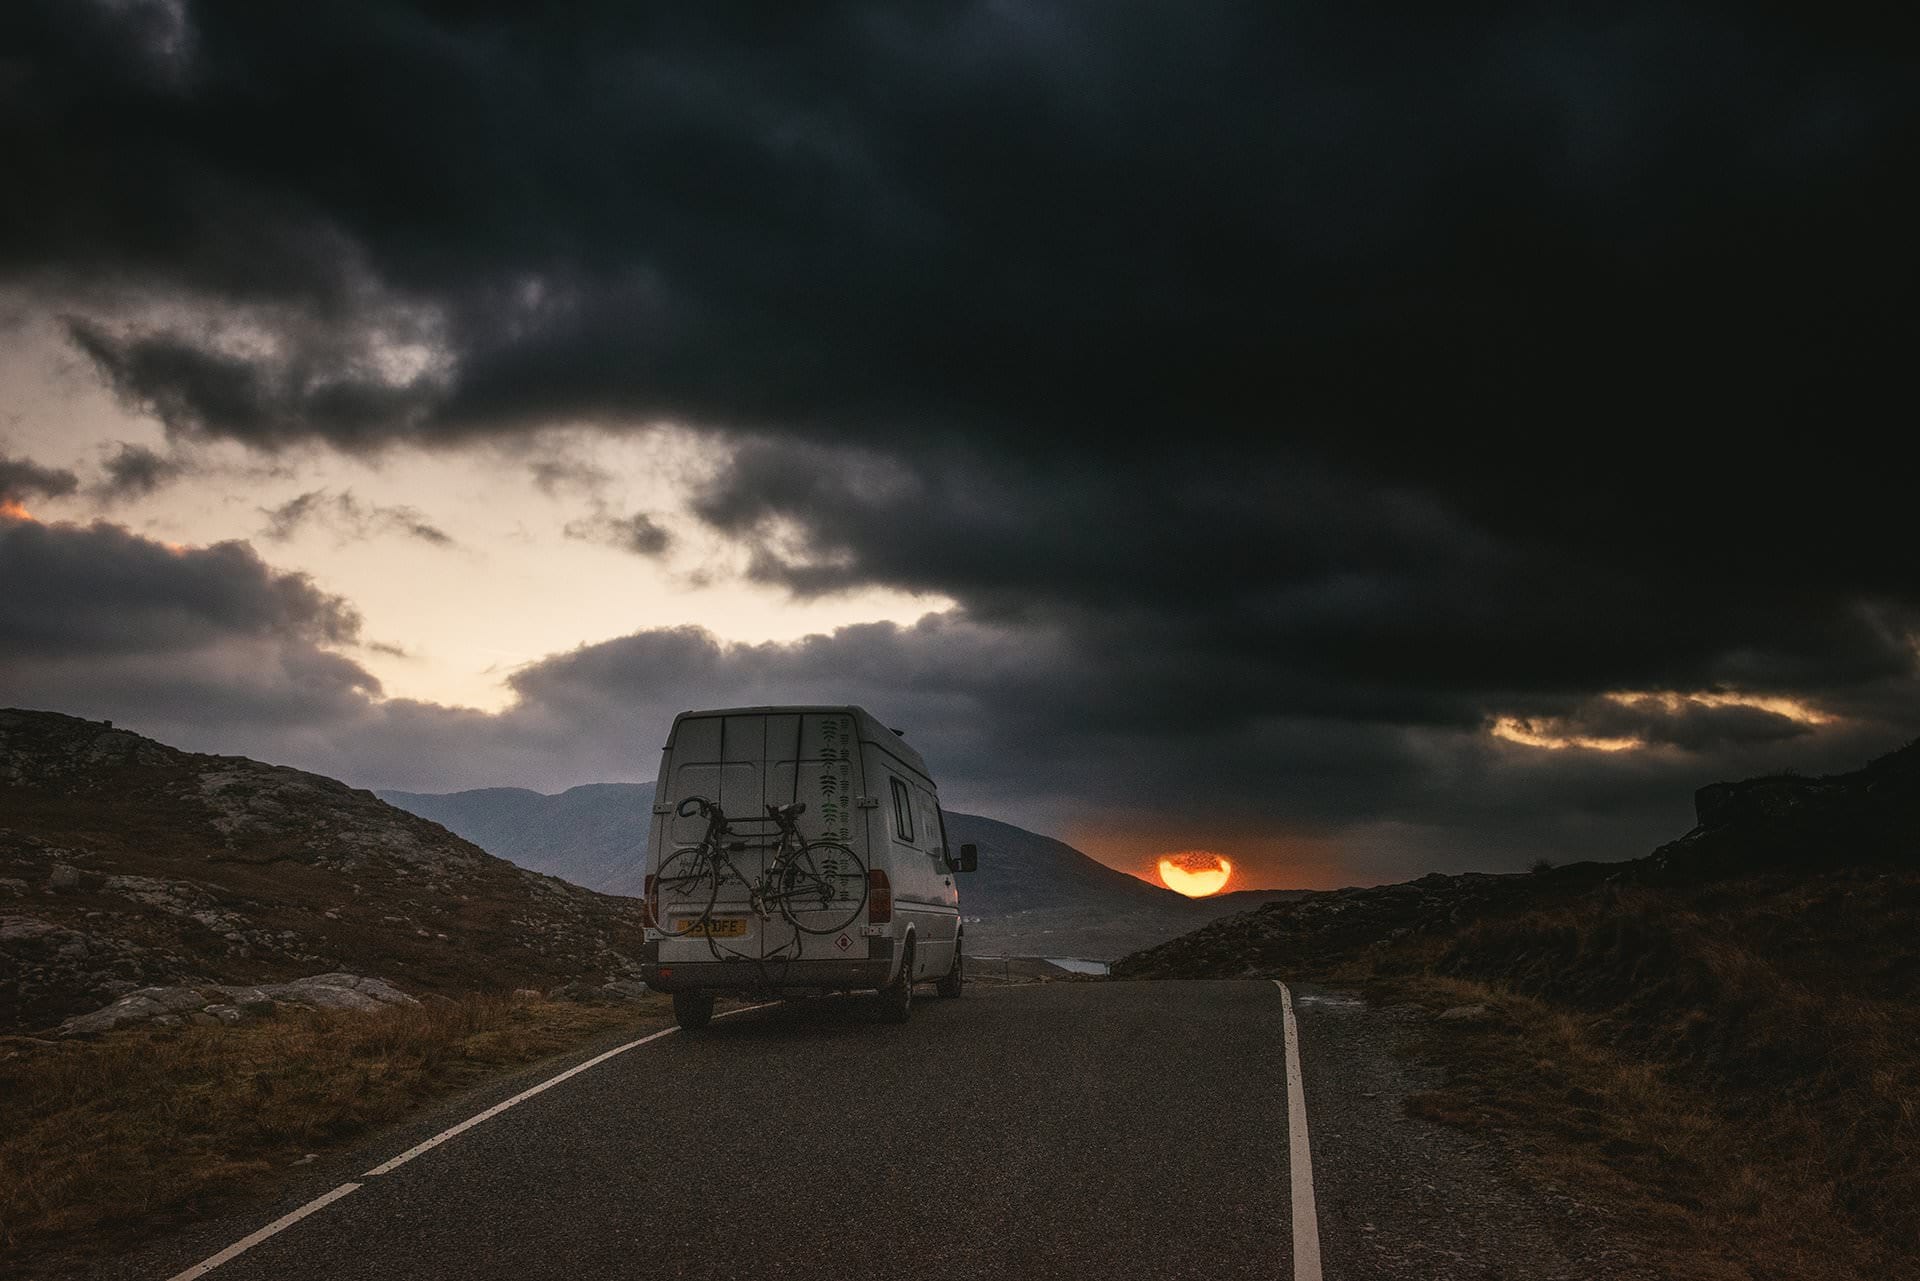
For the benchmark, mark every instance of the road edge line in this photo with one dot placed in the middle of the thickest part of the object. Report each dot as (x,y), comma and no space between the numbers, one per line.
(1306,1216)
(286,1221)
(455,1131)
(252,1239)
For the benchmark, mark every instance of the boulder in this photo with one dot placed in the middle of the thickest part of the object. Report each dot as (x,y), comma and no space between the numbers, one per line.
(28,929)
(148,1005)
(339,992)
(215,1004)
(1464,1014)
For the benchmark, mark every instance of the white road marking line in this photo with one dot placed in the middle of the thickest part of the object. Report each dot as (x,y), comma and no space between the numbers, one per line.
(387,1167)
(1306,1218)
(248,1242)
(454,1132)
(320,1203)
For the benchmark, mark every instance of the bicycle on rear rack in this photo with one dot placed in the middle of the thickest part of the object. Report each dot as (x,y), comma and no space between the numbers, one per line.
(817,887)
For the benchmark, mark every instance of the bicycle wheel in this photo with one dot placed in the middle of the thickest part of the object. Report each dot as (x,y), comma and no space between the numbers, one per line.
(685,888)
(821,888)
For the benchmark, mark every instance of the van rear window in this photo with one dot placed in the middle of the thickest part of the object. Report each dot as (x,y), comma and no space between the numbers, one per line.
(902,811)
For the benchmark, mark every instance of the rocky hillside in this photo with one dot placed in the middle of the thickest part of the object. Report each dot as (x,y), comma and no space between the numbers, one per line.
(1318,929)
(1870,817)
(127,864)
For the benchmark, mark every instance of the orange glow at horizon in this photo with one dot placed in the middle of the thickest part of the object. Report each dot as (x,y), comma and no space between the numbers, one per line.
(11,510)
(1184,877)
(1264,856)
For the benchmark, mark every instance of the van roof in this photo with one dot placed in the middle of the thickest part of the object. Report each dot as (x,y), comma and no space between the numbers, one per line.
(868,726)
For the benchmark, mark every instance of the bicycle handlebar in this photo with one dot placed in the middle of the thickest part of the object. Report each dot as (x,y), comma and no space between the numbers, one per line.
(707,809)
(701,805)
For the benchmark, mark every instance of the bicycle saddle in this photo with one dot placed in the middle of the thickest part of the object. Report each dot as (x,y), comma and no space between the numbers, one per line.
(794,810)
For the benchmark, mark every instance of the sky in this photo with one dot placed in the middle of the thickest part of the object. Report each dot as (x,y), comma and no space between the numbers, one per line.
(1358,442)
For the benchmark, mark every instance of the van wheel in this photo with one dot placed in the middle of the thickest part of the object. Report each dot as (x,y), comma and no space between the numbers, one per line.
(692,1010)
(949,986)
(896,998)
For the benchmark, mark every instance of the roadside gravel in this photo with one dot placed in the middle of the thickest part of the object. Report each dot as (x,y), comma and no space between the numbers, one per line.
(1405,1199)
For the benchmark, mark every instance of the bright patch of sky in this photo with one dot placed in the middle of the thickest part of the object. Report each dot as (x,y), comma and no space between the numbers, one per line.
(525,569)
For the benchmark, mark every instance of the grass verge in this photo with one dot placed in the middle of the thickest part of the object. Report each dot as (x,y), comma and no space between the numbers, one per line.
(1717,1183)
(101,1139)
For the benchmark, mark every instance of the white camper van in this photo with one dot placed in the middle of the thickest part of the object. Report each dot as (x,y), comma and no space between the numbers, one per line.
(795,850)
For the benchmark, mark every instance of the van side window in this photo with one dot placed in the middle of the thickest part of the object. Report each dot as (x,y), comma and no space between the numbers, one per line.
(948,855)
(930,824)
(902,812)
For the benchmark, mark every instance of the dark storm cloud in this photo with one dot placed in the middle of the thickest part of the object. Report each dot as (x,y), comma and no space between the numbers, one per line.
(23,478)
(1290,387)
(134,471)
(199,643)
(1297,587)
(1058,219)
(349,519)
(561,474)
(1498,346)
(639,533)
(323,380)
(72,590)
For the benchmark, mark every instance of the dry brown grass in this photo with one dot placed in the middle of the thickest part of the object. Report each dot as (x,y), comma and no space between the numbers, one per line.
(1708,1199)
(1735,1069)
(98,1137)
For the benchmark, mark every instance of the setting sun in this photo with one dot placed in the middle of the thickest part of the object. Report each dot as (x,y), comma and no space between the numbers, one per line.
(1195,873)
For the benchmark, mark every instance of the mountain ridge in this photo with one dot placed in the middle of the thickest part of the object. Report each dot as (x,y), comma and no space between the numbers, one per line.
(600,821)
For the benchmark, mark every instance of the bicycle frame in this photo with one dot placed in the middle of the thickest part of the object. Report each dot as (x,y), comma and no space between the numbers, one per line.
(782,882)
(714,847)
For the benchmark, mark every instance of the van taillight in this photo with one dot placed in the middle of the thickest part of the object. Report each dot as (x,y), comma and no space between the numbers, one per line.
(650,906)
(879,897)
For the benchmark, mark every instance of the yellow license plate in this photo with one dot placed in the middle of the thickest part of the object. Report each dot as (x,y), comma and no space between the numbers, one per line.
(715,927)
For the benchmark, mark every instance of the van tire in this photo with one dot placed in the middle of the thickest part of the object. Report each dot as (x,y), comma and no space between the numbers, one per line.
(949,985)
(692,1010)
(896,998)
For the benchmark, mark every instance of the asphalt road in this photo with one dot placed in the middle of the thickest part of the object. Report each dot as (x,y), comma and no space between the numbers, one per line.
(1068,1130)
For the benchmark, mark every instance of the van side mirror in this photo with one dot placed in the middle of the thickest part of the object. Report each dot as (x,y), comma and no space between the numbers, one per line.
(969,858)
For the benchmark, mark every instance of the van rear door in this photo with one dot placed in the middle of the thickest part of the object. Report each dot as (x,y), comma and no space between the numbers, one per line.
(821,769)
(720,759)
(746,763)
